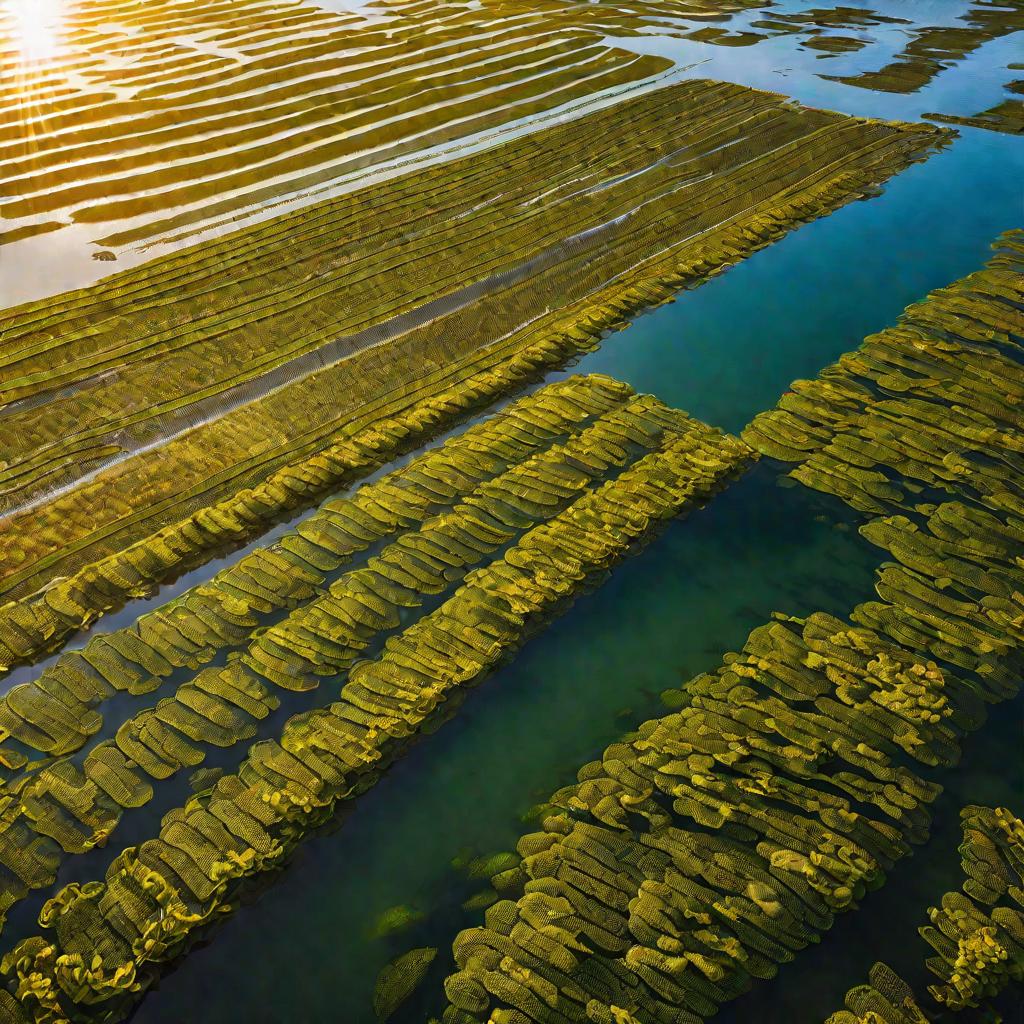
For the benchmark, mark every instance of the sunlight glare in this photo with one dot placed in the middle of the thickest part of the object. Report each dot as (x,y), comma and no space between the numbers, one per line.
(36,27)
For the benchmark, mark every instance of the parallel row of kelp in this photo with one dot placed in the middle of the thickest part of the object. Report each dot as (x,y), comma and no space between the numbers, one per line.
(54,714)
(978,934)
(540,257)
(710,846)
(43,621)
(113,129)
(923,412)
(554,522)
(427,524)
(193,623)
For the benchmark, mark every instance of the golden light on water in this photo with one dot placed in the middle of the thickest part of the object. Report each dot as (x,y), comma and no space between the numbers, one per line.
(35,28)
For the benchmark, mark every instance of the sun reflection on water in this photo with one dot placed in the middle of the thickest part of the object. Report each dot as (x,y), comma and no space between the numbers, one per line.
(33,28)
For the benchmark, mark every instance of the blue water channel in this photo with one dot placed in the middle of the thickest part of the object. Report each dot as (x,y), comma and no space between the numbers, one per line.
(305,950)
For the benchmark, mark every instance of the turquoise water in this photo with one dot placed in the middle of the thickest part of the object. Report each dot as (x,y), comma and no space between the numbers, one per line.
(302,951)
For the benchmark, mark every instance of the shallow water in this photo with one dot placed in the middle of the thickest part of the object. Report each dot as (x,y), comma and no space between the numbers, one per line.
(662,617)
(302,952)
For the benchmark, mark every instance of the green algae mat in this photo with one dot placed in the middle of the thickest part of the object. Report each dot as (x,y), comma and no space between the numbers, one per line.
(694,857)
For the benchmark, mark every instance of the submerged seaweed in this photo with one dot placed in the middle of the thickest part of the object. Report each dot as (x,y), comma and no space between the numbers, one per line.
(977,933)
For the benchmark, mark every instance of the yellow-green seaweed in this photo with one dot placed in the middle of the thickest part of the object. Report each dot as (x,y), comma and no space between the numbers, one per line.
(165,500)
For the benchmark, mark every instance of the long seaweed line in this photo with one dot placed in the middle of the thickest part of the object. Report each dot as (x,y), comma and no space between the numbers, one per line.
(128,147)
(74,804)
(596,290)
(110,937)
(96,417)
(218,614)
(923,412)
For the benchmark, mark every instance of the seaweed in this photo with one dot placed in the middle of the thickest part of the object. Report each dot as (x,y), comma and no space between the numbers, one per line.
(1006,116)
(934,48)
(60,710)
(399,979)
(923,413)
(511,476)
(158,898)
(977,933)
(545,265)
(886,999)
(708,847)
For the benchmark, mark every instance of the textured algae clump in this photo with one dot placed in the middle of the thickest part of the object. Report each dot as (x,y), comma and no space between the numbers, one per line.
(399,979)
(922,413)
(395,919)
(432,520)
(977,934)
(886,999)
(708,848)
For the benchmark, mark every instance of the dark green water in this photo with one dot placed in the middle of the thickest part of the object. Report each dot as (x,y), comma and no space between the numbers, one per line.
(303,951)
(662,617)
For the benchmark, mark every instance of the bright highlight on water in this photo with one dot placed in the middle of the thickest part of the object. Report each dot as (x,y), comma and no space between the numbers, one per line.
(35,28)
(511,512)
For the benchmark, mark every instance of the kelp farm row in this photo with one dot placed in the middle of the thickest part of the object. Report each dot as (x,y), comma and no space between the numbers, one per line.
(301,96)
(176,408)
(120,142)
(488,536)
(710,846)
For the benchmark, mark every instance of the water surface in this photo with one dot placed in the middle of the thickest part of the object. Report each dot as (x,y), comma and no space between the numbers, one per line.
(302,952)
